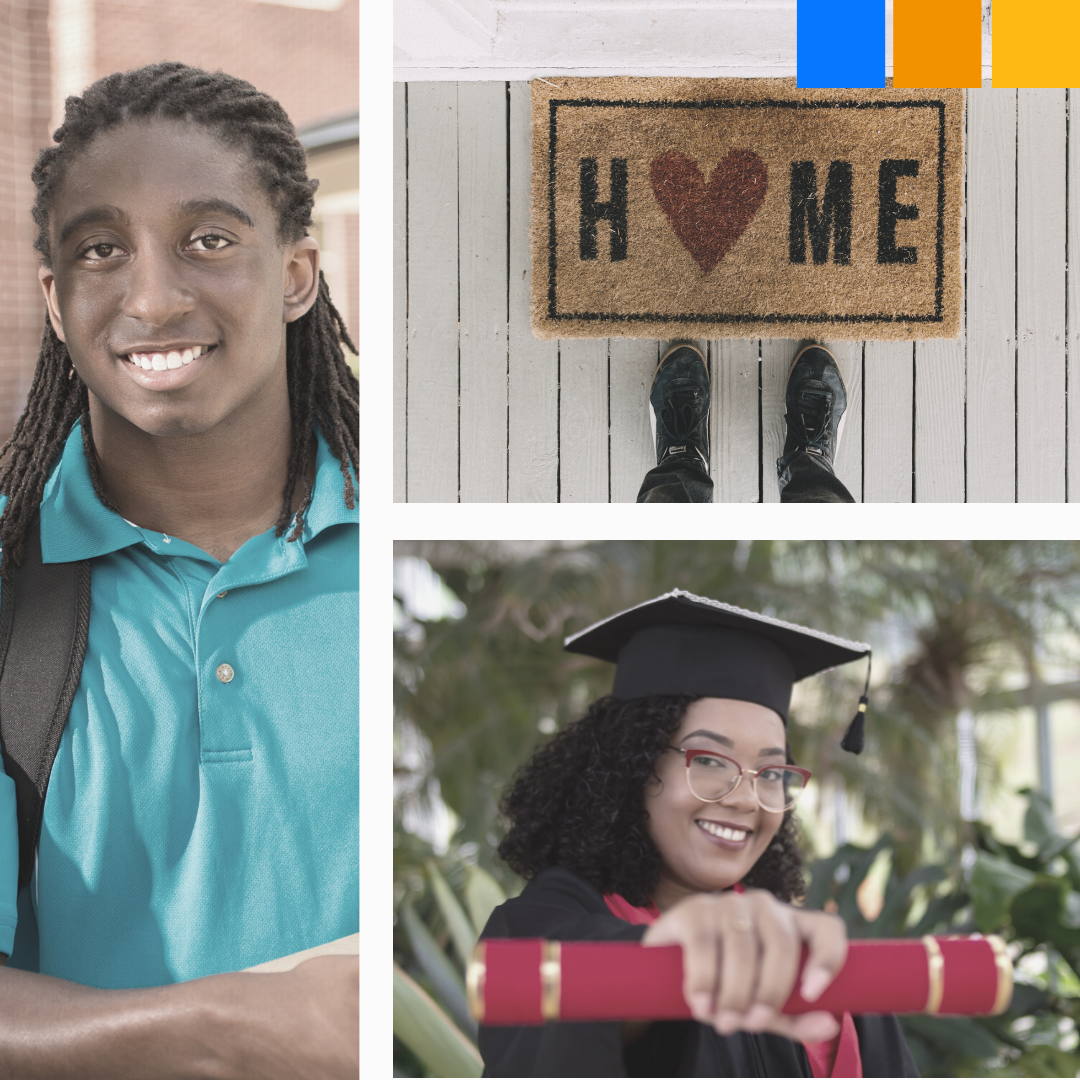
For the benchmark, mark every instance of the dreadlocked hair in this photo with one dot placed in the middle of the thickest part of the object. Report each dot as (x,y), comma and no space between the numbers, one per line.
(579,803)
(322,388)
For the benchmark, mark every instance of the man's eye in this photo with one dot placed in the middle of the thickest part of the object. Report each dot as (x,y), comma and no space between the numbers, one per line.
(212,242)
(102,251)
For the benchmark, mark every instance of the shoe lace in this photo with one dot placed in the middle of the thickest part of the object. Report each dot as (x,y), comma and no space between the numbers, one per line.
(815,402)
(682,410)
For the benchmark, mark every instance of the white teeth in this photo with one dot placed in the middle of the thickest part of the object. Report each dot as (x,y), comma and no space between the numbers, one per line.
(722,831)
(166,361)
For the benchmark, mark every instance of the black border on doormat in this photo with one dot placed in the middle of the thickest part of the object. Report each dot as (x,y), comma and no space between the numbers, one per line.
(720,317)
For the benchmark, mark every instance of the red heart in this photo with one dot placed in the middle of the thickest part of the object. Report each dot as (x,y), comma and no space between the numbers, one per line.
(709,218)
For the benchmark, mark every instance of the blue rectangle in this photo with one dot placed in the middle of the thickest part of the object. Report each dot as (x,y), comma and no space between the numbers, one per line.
(840,43)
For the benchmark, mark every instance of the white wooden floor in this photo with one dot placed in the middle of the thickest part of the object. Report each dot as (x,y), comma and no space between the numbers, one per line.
(486,412)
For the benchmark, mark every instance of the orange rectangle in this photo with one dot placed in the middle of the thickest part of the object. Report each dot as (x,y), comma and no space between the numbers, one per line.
(938,43)
(1035,43)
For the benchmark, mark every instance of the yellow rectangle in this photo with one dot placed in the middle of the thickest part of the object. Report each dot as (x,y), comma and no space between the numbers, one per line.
(1035,43)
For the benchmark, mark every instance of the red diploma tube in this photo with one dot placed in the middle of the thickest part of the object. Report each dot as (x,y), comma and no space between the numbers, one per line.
(530,981)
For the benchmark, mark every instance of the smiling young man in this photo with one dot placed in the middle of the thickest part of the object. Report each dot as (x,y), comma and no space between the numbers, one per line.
(190,436)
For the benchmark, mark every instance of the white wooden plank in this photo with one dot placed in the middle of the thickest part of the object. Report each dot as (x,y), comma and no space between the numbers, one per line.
(888,398)
(400,296)
(583,420)
(633,452)
(940,392)
(482,273)
(1073,418)
(939,420)
(432,445)
(1040,296)
(735,420)
(534,365)
(991,292)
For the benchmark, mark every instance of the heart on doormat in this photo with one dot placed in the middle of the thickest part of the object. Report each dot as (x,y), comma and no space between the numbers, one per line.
(709,217)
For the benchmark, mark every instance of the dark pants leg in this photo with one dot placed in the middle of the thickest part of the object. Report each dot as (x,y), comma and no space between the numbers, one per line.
(676,481)
(806,478)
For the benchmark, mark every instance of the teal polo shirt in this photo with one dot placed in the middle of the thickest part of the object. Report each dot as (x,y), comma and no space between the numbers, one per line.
(198,818)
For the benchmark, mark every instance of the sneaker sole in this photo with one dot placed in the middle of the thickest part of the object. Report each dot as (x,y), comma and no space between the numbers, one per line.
(840,374)
(652,414)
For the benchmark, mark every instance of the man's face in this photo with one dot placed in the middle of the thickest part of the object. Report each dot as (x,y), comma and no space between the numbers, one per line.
(164,242)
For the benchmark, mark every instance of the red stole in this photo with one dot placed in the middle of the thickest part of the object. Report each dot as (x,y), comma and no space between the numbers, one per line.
(837,1057)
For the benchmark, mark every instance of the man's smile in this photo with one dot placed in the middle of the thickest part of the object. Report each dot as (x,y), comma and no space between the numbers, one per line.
(167,370)
(173,356)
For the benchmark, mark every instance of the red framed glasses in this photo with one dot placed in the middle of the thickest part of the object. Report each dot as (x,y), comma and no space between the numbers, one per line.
(713,776)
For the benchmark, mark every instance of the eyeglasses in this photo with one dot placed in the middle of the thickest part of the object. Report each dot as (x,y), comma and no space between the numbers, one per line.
(714,776)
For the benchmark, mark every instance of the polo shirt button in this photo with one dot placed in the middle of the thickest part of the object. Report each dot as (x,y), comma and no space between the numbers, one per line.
(223,593)
(225,673)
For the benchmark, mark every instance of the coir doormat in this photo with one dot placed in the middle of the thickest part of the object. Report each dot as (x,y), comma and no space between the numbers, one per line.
(668,208)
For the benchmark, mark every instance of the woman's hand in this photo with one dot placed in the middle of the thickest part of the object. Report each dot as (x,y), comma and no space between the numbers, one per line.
(741,957)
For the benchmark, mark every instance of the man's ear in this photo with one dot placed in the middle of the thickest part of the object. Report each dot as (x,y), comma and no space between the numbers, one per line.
(48,287)
(301,278)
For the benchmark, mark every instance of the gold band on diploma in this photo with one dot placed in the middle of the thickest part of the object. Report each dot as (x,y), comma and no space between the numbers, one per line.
(551,980)
(1004,975)
(935,970)
(474,981)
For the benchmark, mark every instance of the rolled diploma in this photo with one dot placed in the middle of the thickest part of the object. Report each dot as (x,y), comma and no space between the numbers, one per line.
(529,981)
(346,946)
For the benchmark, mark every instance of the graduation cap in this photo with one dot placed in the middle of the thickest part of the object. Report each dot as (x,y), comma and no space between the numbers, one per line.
(680,643)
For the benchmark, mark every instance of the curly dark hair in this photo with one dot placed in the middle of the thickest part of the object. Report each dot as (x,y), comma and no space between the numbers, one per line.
(322,388)
(578,803)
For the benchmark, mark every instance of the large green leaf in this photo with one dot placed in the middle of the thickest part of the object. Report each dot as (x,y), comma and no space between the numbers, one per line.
(993,884)
(445,981)
(483,894)
(429,1033)
(461,930)
(1037,913)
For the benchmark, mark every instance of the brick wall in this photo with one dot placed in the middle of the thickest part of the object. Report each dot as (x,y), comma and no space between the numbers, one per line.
(307,59)
(24,120)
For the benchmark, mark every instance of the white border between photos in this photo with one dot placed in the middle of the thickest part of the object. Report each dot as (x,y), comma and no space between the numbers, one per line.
(374,339)
(731,521)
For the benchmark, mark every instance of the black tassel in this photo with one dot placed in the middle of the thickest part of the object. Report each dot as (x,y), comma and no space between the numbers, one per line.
(854,738)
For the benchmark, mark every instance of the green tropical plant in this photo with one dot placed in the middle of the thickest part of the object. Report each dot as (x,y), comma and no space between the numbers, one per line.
(433,1030)
(1029,896)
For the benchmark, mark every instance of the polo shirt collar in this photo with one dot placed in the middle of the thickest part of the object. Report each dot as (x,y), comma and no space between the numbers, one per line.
(76,525)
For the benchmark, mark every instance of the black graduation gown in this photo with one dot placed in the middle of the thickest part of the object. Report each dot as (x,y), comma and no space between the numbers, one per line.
(559,905)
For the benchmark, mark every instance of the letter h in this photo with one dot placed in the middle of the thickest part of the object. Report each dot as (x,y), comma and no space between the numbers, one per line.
(614,210)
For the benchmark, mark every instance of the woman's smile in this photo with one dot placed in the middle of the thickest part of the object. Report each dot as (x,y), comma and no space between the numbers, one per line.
(732,837)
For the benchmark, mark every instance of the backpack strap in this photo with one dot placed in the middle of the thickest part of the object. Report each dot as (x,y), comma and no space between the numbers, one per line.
(44,626)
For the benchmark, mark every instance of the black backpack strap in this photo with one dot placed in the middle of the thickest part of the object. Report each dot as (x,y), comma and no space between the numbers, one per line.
(44,626)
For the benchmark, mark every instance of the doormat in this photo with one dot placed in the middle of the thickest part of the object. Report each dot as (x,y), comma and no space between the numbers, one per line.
(712,208)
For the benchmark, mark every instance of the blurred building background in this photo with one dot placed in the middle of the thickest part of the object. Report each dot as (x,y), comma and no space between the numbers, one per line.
(302,52)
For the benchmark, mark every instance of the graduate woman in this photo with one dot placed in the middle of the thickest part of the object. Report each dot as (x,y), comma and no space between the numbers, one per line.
(665,815)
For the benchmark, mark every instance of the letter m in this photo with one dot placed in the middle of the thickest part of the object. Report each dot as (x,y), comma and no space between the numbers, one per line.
(832,218)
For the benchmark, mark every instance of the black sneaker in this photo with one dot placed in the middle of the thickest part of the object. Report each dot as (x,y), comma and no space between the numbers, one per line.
(816,400)
(680,407)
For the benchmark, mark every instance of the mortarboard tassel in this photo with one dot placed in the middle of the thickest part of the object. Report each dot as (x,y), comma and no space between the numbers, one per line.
(855,737)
